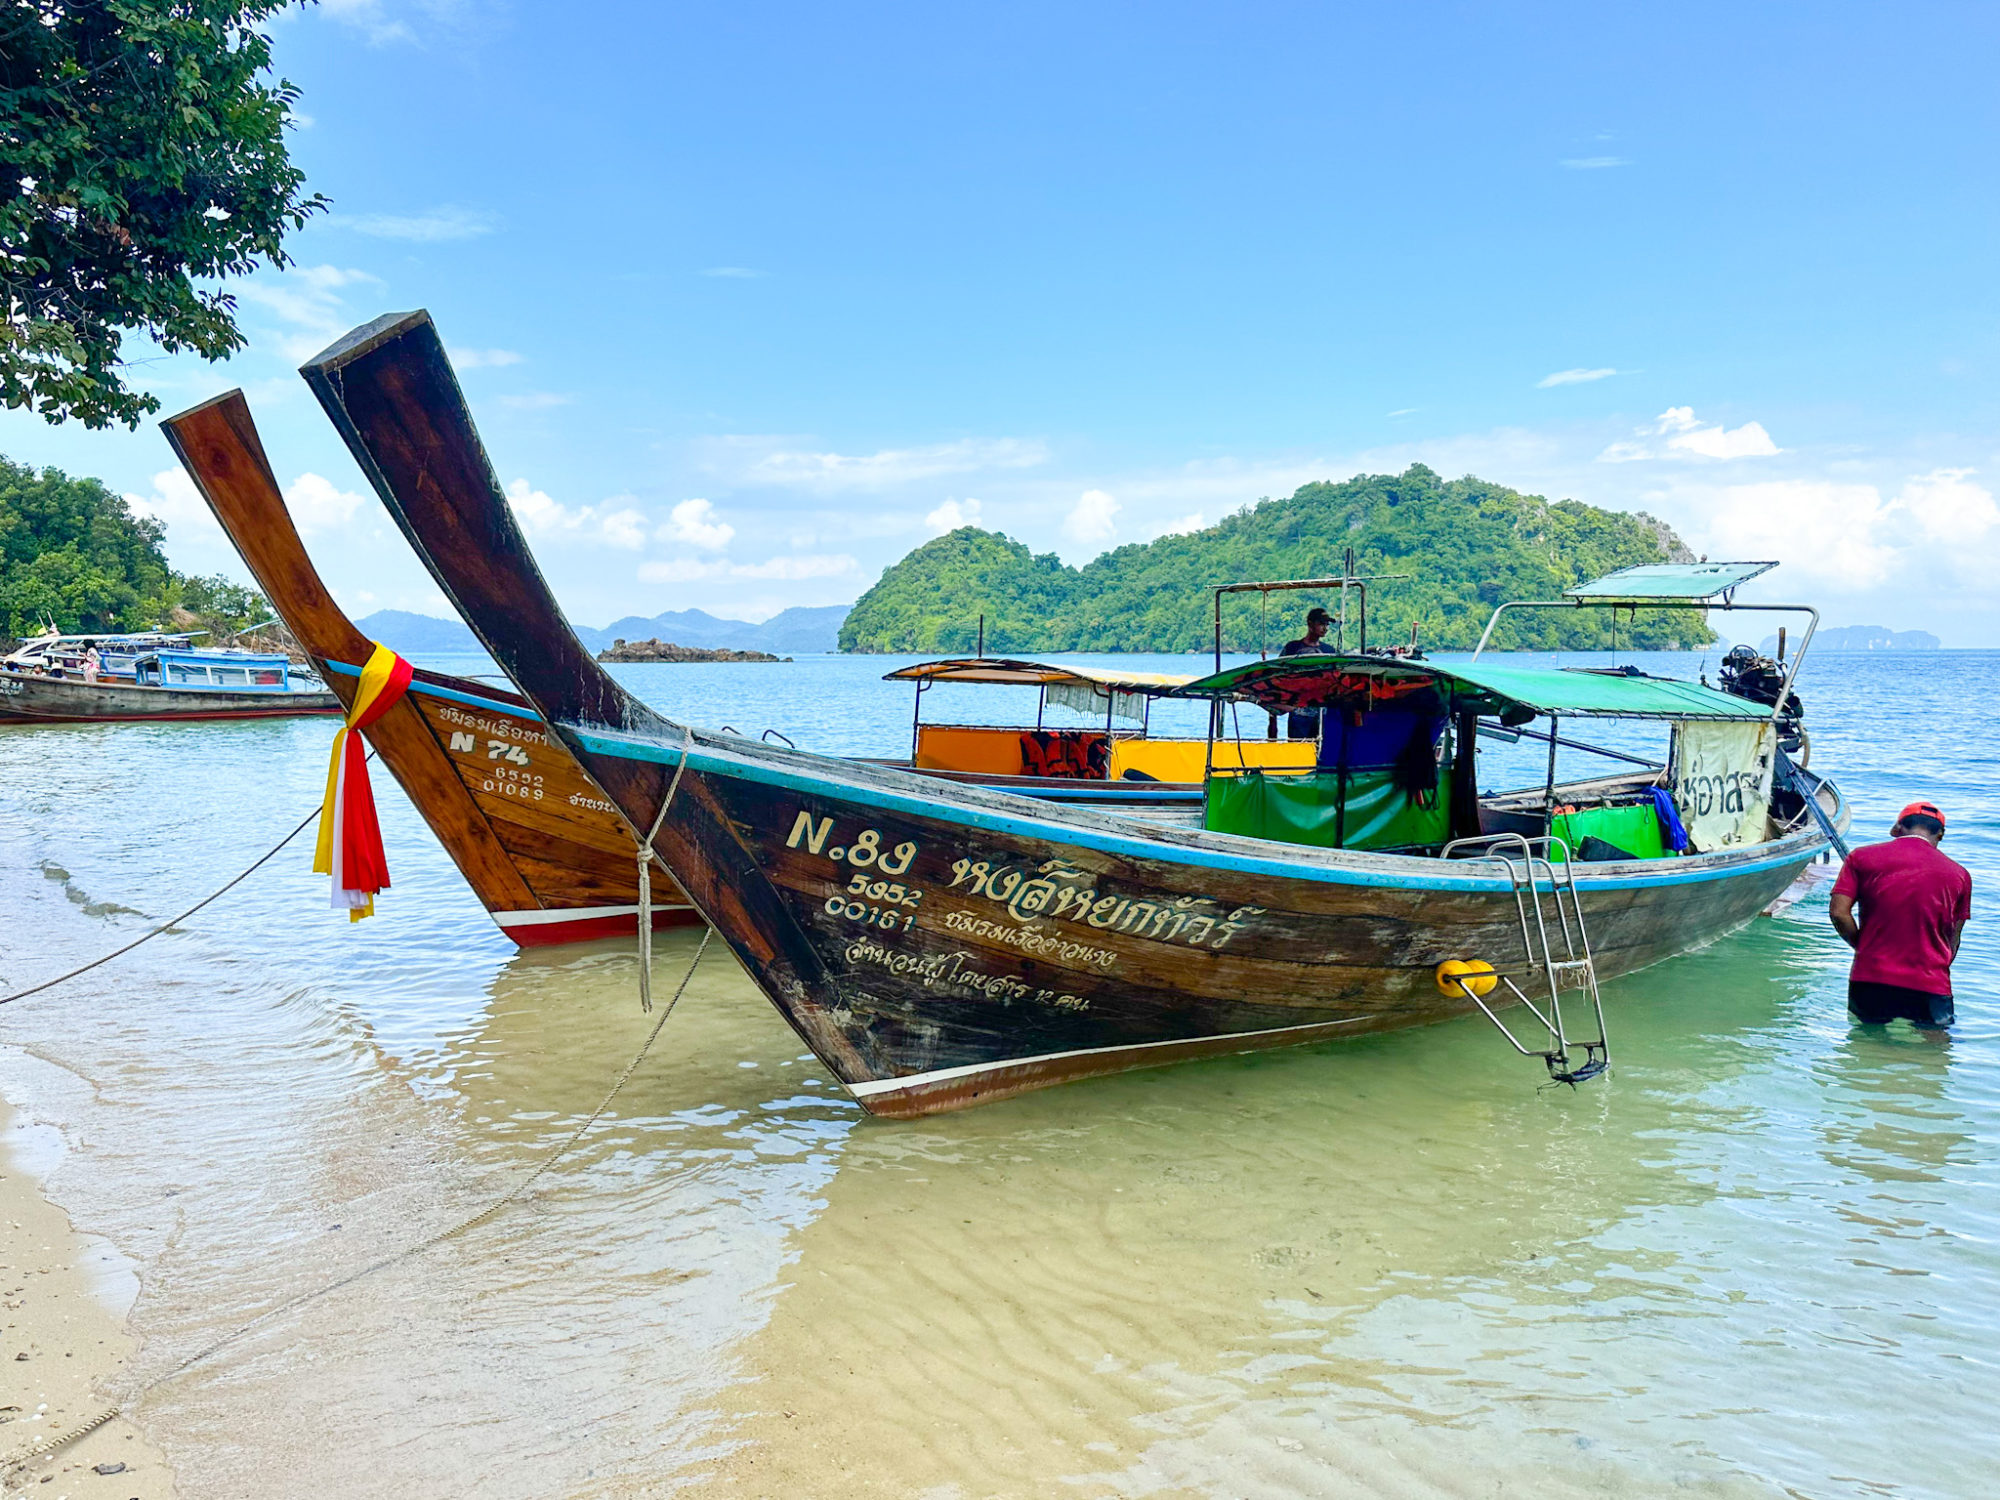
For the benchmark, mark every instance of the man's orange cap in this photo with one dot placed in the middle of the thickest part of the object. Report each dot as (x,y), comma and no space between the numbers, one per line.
(1922,810)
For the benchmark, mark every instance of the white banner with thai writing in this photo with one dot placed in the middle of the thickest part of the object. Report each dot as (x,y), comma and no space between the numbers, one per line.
(1722,781)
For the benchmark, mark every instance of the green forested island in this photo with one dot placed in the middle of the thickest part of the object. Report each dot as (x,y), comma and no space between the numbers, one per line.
(1466,543)
(73,555)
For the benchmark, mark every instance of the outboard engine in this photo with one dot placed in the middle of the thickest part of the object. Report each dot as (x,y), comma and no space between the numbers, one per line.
(1760,679)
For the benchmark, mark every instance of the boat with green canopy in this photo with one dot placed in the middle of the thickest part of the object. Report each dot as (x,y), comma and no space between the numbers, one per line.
(938,944)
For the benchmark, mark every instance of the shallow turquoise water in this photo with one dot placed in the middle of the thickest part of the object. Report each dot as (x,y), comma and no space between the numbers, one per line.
(1761,1258)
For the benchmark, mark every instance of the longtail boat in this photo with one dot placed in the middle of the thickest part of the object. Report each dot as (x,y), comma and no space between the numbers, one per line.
(149,677)
(542,849)
(938,944)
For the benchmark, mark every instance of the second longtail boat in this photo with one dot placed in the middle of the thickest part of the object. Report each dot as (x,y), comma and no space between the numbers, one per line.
(541,847)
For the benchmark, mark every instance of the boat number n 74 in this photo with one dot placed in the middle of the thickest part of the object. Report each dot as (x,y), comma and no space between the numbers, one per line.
(864,851)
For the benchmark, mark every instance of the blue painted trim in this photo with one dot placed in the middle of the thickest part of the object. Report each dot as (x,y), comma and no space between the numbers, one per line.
(1124,847)
(1115,793)
(417,685)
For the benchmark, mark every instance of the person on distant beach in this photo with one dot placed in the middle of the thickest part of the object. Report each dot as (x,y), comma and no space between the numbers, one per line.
(1304,725)
(92,662)
(1914,904)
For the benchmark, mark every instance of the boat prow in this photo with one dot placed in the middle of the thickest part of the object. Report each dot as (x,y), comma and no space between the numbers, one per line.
(543,850)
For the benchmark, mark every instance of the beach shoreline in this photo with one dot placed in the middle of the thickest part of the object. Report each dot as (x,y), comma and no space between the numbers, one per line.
(62,1350)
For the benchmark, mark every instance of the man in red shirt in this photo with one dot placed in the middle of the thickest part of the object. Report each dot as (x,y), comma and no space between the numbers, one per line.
(1914,905)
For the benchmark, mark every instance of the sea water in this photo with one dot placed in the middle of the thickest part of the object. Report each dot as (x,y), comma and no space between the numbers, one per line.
(1760,1257)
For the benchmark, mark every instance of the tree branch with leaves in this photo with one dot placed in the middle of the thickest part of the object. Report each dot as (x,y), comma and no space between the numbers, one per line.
(142,152)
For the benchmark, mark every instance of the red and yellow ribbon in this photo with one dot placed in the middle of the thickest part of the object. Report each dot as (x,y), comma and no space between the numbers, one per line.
(350,838)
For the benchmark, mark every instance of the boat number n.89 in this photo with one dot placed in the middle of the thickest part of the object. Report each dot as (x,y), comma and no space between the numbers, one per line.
(863,852)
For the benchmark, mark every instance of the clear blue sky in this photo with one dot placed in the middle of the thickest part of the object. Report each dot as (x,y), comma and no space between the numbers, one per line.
(753,298)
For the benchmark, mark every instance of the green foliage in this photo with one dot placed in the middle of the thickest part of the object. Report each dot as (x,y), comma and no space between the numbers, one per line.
(1467,544)
(73,554)
(138,151)
(931,601)
(215,604)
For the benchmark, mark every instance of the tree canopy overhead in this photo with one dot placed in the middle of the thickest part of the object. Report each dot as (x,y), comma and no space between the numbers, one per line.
(1467,545)
(141,150)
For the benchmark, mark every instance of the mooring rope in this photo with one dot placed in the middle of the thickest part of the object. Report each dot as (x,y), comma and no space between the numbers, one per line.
(171,922)
(646,858)
(83,1429)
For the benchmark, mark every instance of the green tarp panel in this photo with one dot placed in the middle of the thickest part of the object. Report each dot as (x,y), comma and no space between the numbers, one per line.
(1657,582)
(1305,810)
(1483,687)
(1636,830)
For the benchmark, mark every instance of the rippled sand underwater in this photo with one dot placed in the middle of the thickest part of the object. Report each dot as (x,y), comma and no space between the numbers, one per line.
(1758,1259)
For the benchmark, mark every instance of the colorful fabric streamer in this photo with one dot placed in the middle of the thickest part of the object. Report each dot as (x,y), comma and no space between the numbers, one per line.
(350,838)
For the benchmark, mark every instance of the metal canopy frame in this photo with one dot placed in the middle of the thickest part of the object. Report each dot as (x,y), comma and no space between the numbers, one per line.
(1791,670)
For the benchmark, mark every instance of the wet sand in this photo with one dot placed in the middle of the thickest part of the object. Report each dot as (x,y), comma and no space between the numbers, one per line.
(63,1351)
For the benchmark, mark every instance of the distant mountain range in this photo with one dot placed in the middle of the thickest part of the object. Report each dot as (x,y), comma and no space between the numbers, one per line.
(791,630)
(1862,638)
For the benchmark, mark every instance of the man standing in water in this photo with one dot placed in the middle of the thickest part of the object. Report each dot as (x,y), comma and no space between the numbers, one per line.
(1914,905)
(1304,725)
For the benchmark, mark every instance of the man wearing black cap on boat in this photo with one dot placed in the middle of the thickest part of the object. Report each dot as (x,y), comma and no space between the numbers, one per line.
(1914,903)
(1304,724)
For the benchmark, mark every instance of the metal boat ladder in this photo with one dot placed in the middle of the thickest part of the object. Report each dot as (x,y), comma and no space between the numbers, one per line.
(1555,950)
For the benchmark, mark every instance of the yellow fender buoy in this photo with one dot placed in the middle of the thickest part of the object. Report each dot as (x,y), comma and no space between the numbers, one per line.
(1457,975)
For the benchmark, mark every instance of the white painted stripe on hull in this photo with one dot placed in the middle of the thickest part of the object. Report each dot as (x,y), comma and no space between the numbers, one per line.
(969,1070)
(577,913)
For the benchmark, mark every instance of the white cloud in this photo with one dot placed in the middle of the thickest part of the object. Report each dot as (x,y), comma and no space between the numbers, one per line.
(369,17)
(174,500)
(1686,437)
(680,570)
(1846,522)
(822,566)
(891,467)
(1194,521)
(1947,507)
(688,570)
(695,522)
(535,401)
(307,300)
(448,222)
(1846,535)
(318,504)
(540,516)
(1093,518)
(951,515)
(483,359)
(735,273)
(1573,377)
(1594,163)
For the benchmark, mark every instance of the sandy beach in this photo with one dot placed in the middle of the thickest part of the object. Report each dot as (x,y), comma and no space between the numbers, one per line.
(62,1356)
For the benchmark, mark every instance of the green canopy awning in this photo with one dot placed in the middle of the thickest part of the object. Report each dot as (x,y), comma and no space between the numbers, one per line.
(1665,583)
(1296,682)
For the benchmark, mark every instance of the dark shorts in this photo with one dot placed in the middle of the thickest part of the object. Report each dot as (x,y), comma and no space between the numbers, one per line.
(1878,1004)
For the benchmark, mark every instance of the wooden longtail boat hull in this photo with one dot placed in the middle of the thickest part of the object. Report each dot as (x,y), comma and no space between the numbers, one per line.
(26,699)
(939,945)
(543,850)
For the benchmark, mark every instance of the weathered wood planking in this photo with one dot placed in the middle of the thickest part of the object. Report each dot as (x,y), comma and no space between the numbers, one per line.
(937,945)
(535,839)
